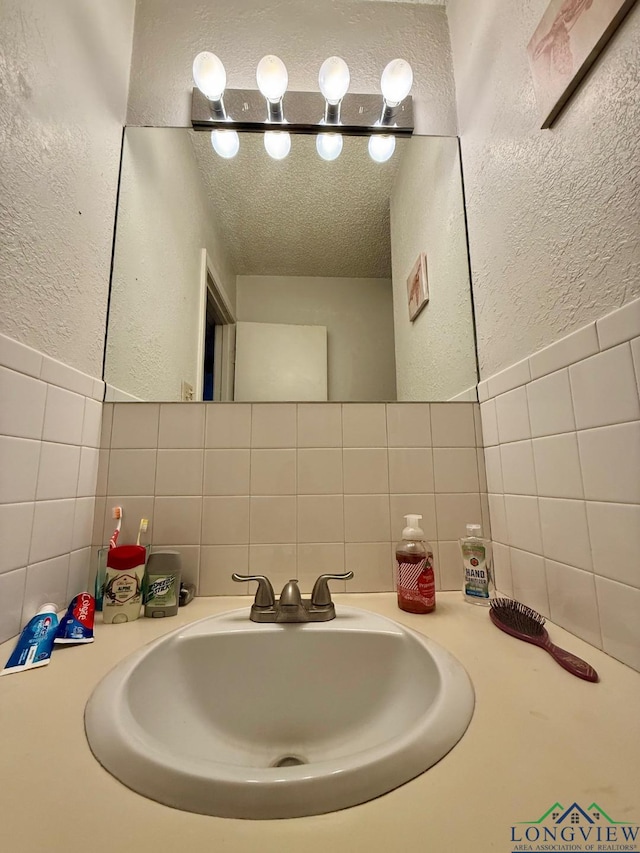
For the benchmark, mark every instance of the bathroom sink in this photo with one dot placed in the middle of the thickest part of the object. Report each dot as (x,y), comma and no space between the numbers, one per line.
(232,718)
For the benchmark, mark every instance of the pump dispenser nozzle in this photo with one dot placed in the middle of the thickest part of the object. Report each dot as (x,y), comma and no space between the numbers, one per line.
(412,529)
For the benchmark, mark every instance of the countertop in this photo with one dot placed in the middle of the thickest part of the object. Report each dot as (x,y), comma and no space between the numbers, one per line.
(538,736)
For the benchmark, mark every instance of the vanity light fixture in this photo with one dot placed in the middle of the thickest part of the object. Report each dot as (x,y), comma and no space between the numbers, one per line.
(226,143)
(272,79)
(333,79)
(395,83)
(329,145)
(210,77)
(277,143)
(381,148)
(329,114)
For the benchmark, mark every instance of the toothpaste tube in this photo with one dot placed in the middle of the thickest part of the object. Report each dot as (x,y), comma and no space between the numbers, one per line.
(35,644)
(77,623)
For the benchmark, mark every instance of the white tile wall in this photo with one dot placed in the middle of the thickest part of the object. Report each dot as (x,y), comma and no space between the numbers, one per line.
(50,422)
(287,488)
(610,459)
(550,404)
(557,464)
(572,600)
(366,470)
(604,389)
(273,472)
(231,426)
(566,530)
(512,415)
(518,474)
(319,471)
(529,580)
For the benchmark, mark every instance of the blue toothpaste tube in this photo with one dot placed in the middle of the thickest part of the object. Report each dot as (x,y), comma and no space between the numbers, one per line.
(76,626)
(35,644)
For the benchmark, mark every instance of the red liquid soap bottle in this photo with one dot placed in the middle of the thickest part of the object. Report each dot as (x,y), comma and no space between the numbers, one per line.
(414,569)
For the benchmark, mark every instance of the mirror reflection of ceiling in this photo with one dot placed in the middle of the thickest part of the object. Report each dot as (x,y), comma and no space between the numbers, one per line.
(339,226)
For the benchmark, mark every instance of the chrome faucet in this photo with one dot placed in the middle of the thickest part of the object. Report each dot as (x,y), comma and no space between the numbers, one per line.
(291,607)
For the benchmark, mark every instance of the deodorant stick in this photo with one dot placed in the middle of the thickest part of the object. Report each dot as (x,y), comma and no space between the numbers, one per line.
(162,588)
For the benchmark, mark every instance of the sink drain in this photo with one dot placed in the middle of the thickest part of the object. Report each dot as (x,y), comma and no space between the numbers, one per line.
(289,761)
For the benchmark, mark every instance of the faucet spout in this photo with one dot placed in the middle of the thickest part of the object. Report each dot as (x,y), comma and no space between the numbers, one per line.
(290,595)
(291,607)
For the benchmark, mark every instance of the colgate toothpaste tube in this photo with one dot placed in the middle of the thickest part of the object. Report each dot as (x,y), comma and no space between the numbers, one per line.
(35,644)
(76,625)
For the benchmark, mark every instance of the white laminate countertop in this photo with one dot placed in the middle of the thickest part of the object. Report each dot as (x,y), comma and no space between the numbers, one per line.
(538,736)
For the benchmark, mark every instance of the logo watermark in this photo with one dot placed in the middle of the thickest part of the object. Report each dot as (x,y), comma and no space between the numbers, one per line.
(575,828)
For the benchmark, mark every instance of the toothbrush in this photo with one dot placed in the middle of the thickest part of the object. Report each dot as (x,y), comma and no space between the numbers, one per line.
(116,513)
(144,524)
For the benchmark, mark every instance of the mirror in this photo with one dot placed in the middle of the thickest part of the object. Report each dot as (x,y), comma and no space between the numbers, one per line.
(259,279)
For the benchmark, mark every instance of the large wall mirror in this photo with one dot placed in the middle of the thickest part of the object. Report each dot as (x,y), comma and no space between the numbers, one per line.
(259,279)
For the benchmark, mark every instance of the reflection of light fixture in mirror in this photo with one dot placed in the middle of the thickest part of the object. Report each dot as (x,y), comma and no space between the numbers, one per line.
(210,77)
(333,80)
(272,79)
(226,143)
(329,145)
(396,83)
(277,143)
(381,148)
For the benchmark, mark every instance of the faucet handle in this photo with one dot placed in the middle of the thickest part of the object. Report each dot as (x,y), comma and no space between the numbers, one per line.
(321,596)
(265,596)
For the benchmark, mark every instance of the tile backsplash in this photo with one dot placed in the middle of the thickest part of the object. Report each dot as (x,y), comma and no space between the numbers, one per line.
(50,423)
(292,490)
(562,449)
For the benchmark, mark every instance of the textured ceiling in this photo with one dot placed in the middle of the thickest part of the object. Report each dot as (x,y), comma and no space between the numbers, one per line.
(301,216)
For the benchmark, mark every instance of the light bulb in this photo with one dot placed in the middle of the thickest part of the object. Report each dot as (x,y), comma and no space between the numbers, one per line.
(277,144)
(381,147)
(329,145)
(226,143)
(272,78)
(334,79)
(396,82)
(209,75)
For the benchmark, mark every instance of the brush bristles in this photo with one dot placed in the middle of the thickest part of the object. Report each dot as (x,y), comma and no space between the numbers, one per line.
(518,616)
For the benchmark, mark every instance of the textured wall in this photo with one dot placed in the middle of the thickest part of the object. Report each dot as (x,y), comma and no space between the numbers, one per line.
(358,314)
(435,355)
(64,72)
(168,35)
(554,215)
(164,221)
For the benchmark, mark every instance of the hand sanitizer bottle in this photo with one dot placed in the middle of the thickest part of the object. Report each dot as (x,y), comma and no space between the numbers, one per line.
(478,587)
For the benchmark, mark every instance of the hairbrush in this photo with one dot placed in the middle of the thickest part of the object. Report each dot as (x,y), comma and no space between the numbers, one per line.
(528,625)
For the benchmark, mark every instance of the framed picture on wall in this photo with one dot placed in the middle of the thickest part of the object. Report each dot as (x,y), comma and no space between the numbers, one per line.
(418,287)
(567,41)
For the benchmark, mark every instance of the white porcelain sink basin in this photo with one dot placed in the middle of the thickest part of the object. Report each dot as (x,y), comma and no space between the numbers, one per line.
(231,718)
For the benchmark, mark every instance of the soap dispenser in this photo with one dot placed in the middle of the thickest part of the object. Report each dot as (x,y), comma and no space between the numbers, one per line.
(414,569)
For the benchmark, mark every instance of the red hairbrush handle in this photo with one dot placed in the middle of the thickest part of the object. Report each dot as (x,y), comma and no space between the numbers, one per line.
(572,663)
